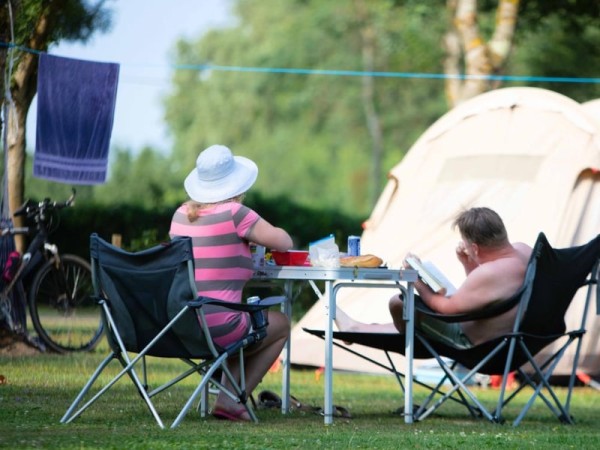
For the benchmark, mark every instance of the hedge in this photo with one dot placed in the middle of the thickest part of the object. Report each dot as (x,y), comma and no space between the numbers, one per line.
(142,228)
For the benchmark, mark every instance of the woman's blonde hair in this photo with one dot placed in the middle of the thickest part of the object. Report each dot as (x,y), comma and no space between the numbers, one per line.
(194,208)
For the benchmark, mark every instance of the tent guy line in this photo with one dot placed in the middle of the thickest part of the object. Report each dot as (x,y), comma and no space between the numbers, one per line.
(351,73)
(358,73)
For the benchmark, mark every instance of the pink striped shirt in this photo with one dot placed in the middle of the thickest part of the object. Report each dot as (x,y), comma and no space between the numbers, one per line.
(223,263)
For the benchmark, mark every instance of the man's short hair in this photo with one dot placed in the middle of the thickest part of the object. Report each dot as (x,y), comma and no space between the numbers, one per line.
(482,226)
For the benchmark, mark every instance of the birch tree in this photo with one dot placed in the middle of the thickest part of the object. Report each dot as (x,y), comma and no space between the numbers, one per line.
(470,59)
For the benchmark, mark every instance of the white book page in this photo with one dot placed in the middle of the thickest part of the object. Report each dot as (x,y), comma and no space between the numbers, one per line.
(437,273)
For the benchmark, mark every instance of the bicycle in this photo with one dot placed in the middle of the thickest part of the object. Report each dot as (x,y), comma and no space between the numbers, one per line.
(60,293)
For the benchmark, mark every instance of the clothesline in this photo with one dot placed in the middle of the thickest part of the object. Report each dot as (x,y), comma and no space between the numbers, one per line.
(356,73)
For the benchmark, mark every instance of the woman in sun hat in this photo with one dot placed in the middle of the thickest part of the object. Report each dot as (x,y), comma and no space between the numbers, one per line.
(221,228)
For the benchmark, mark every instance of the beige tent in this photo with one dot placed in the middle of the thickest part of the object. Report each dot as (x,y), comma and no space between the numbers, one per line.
(592,107)
(531,154)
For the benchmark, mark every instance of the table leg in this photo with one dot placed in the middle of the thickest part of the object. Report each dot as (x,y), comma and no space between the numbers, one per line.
(286,308)
(408,316)
(330,316)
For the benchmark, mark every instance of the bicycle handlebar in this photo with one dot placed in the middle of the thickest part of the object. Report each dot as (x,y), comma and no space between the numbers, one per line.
(32,209)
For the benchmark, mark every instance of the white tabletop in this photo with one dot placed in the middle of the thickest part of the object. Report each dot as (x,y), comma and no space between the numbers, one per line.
(269,272)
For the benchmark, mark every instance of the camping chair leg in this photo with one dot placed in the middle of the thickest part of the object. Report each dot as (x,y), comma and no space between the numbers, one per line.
(592,281)
(196,368)
(129,368)
(67,418)
(525,381)
(399,375)
(145,373)
(133,375)
(463,400)
(418,415)
(219,363)
(458,384)
(559,411)
(203,405)
(573,374)
(460,388)
(393,368)
(437,390)
(528,381)
(198,390)
(509,358)
(240,390)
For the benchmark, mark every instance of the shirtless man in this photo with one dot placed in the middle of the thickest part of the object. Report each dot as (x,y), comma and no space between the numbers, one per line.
(495,271)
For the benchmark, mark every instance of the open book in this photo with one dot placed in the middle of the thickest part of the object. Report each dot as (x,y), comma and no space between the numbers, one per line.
(432,276)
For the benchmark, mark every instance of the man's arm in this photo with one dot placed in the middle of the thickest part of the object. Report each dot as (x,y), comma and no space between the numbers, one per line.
(479,289)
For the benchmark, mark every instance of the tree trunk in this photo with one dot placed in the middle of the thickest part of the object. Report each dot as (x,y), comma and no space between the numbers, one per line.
(4,37)
(368,39)
(23,89)
(23,86)
(463,43)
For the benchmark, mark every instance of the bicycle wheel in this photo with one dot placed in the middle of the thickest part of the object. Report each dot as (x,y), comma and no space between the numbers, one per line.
(61,305)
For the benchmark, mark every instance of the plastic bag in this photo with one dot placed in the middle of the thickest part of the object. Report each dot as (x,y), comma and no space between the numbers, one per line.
(324,253)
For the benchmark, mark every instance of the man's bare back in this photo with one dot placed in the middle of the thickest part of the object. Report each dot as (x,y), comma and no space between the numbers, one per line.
(503,278)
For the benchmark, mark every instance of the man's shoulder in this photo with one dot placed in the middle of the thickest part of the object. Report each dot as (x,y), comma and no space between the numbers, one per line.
(521,246)
(523,250)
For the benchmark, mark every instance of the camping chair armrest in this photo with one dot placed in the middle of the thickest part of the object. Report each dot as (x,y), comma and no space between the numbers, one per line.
(244,307)
(485,313)
(256,310)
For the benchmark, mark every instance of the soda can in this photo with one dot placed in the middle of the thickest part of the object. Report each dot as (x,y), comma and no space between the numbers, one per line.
(258,255)
(353,245)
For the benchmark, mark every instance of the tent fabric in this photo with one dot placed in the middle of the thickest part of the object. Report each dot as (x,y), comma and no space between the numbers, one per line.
(531,154)
(592,107)
(76,104)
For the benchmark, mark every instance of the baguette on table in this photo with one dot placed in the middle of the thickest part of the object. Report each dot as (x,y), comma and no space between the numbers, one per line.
(361,261)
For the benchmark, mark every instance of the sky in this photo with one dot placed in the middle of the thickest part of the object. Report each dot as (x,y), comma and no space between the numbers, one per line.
(142,35)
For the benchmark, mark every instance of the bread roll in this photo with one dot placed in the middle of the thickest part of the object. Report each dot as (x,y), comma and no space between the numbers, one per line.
(361,261)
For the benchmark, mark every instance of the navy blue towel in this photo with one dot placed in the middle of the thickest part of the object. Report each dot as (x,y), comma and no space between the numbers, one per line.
(76,106)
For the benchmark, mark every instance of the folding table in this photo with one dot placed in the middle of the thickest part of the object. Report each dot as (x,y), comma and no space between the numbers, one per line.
(336,279)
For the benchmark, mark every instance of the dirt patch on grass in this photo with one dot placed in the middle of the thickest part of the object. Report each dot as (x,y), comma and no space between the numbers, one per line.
(16,345)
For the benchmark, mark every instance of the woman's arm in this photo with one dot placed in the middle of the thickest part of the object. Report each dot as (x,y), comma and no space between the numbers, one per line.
(275,238)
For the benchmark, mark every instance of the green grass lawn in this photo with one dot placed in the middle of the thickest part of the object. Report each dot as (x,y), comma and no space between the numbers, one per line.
(38,390)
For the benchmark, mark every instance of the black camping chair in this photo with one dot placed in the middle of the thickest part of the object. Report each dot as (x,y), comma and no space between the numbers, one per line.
(150,308)
(552,279)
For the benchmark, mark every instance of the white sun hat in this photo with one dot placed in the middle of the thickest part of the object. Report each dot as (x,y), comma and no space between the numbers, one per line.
(219,175)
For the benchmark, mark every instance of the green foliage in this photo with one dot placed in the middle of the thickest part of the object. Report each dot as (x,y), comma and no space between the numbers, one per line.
(572,13)
(552,49)
(141,227)
(307,133)
(63,20)
(77,20)
(147,180)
